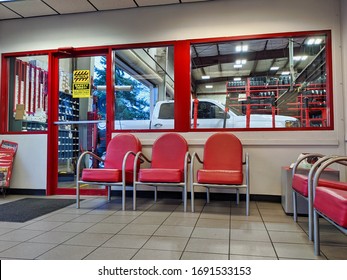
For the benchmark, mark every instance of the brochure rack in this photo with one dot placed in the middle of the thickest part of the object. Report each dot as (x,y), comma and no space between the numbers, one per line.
(8,151)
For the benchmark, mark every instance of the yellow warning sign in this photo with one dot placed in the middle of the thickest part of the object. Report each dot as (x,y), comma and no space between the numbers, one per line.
(81,84)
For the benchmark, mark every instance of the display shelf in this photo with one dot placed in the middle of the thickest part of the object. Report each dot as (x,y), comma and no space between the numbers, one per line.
(68,136)
(258,95)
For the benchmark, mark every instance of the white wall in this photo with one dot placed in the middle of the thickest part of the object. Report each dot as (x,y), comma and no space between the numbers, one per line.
(269,150)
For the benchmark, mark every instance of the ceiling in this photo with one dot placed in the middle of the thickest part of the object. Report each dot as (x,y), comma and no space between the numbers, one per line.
(17,9)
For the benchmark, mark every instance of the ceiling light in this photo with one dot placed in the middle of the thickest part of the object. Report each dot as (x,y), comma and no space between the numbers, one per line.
(237,65)
(274,68)
(237,79)
(241,48)
(205,77)
(241,61)
(285,73)
(298,58)
(314,41)
(209,86)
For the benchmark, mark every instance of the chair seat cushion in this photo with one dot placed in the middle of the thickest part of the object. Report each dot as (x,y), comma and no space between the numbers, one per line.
(333,184)
(105,175)
(300,184)
(332,203)
(226,177)
(162,175)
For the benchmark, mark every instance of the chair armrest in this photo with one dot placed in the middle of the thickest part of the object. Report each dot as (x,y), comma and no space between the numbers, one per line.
(81,158)
(342,160)
(300,159)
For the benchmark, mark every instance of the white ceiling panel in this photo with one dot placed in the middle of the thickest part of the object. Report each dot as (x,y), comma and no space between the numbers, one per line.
(143,3)
(30,8)
(70,6)
(6,13)
(110,5)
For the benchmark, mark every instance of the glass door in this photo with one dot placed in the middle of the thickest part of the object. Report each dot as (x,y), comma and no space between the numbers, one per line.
(80,118)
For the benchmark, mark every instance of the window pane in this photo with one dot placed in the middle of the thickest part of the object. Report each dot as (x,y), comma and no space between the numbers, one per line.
(28,93)
(261,83)
(144,82)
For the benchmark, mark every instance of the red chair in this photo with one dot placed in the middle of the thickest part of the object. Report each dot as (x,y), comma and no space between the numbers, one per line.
(302,185)
(168,166)
(330,201)
(118,166)
(222,166)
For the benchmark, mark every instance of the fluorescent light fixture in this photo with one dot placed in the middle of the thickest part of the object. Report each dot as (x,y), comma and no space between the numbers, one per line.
(298,58)
(237,65)
(314,41)
(274,68)
(237,79)
(285,73)
(209,86)
(241,48)
(241,61)
(205,77)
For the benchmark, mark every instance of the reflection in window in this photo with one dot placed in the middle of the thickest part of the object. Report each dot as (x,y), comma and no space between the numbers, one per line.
(143,77)
(28,93)
(265,83)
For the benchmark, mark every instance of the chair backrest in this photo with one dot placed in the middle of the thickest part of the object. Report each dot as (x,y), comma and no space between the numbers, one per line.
(118,147)
(169,151)
(223,151)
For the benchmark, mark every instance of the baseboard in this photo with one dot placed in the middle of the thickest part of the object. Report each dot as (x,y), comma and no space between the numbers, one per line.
(163,194)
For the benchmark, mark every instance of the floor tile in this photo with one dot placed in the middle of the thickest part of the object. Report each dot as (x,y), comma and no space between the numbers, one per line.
(148,254)
(204,245)
(43,225)
(88,239)
(27,250)
(166,243)
(102,253)
(54,237)
(295,251)
(211,223)
(252,248)
(67,252)
(126,241)
(214,233)
(74,227)
(203,256)
(249,235)
(289,237)
(105,228)
(177,231)
(139,229)
(20,235)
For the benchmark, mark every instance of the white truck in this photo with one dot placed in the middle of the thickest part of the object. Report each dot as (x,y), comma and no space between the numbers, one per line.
(211,114)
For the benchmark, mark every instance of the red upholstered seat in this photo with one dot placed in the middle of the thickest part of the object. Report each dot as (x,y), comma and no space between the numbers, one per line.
(101,175)
(160,175)
(219,176)
(168,165)
(121,151)
(332,203)
(333,184)
(300,184)
(105,175)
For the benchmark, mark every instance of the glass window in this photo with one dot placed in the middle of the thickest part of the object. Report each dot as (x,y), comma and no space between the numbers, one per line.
(28,93)
(144,80)
(275,82)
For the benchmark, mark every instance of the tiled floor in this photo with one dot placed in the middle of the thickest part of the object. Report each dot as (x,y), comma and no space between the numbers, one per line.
(216,231)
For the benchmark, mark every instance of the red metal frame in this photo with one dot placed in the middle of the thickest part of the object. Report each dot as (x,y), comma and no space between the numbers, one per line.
(182,91)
